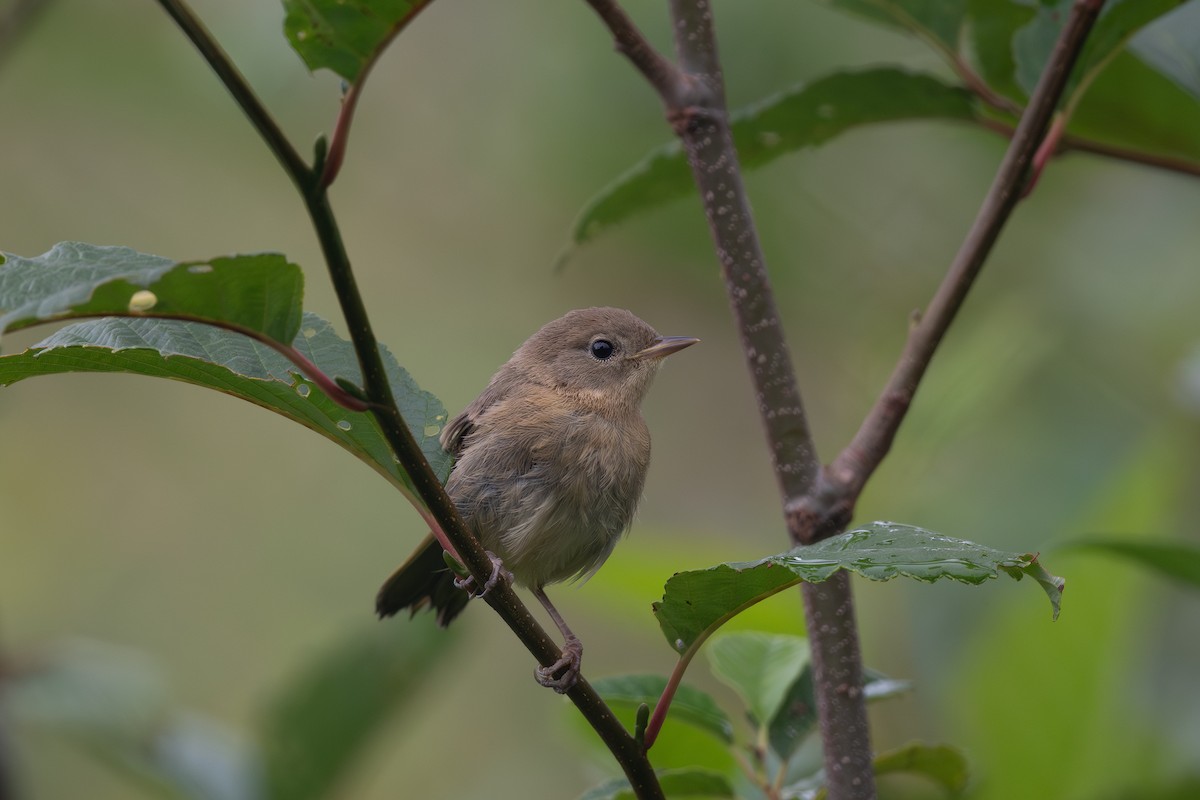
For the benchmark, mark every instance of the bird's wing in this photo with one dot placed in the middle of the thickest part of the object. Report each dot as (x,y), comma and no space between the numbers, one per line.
(454,435)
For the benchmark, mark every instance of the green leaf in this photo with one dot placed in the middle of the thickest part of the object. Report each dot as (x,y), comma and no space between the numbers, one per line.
(805,116)
(991,25)
(696,603)
(1171,45)
(115,704)
(313,732)
(942,764)
(692,782)
(691,706)
(255,293)
(1119,21)
(345,36)
(796,717)
(1131,105)
(228,362)
(760,667)
(1175,559)
(939,21)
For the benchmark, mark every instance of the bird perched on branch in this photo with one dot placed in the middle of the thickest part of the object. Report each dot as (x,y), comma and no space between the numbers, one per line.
(550,463)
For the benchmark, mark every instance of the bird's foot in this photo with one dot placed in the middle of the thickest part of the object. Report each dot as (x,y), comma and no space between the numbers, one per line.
(468,584)
(562,675)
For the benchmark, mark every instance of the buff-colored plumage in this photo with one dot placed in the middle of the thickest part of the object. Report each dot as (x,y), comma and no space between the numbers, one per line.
(550,458)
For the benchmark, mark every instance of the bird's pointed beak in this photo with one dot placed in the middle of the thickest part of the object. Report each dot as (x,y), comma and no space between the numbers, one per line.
(664,346)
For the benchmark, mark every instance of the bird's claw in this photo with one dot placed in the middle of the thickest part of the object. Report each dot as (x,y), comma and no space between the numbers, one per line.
(562,675)
(467,584)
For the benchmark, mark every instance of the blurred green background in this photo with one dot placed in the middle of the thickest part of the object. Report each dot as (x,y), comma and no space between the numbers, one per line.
(234,547)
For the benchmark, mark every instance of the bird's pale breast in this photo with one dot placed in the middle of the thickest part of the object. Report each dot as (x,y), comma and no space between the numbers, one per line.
(553,489)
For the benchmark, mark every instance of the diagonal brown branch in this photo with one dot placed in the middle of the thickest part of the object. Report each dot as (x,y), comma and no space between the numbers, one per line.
(842,482)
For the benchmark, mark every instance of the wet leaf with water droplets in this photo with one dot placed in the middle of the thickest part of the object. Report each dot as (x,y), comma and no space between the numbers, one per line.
(696,603)
(207,356)
(260,293)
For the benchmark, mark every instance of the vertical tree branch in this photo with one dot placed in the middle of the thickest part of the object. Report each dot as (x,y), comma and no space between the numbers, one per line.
(697,111)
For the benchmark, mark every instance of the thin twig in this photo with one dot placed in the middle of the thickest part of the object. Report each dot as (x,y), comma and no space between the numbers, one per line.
(502,598)
(658,70)
(1074,143)
(843,481)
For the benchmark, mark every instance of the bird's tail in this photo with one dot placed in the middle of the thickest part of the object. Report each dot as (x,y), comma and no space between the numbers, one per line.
(424,581)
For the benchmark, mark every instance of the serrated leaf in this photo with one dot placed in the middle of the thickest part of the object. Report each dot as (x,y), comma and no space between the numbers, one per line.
(313,732)
(1175,559)
(1118,22)
(805,116)
(690,705)
(696,603)
(796,717)
(937,20)
(228,362)
(345,36)
(694,782)
(760,667)
(1171,45)
(257,293)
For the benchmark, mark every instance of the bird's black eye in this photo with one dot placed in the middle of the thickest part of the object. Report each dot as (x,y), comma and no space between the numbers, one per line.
(602,349)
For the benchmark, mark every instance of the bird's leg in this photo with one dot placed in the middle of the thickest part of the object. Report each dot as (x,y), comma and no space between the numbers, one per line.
(562,674)
(467,584)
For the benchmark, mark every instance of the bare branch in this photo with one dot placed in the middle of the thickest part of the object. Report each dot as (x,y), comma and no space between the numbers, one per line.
(845,478)
(658,71)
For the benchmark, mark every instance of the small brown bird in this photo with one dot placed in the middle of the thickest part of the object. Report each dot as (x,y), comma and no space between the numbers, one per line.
(550,463)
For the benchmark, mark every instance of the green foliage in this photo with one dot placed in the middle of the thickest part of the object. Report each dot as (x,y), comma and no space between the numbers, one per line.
(691,706)
(805,116)
(319,726)
(116,703)
(1120,20)
(694,783)
(696,603)
(760,667)
(937,21)
(1007,41)
(258,294)
(345,36)
(944,765)
(1173,559)
(101,282)
(1070,721)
